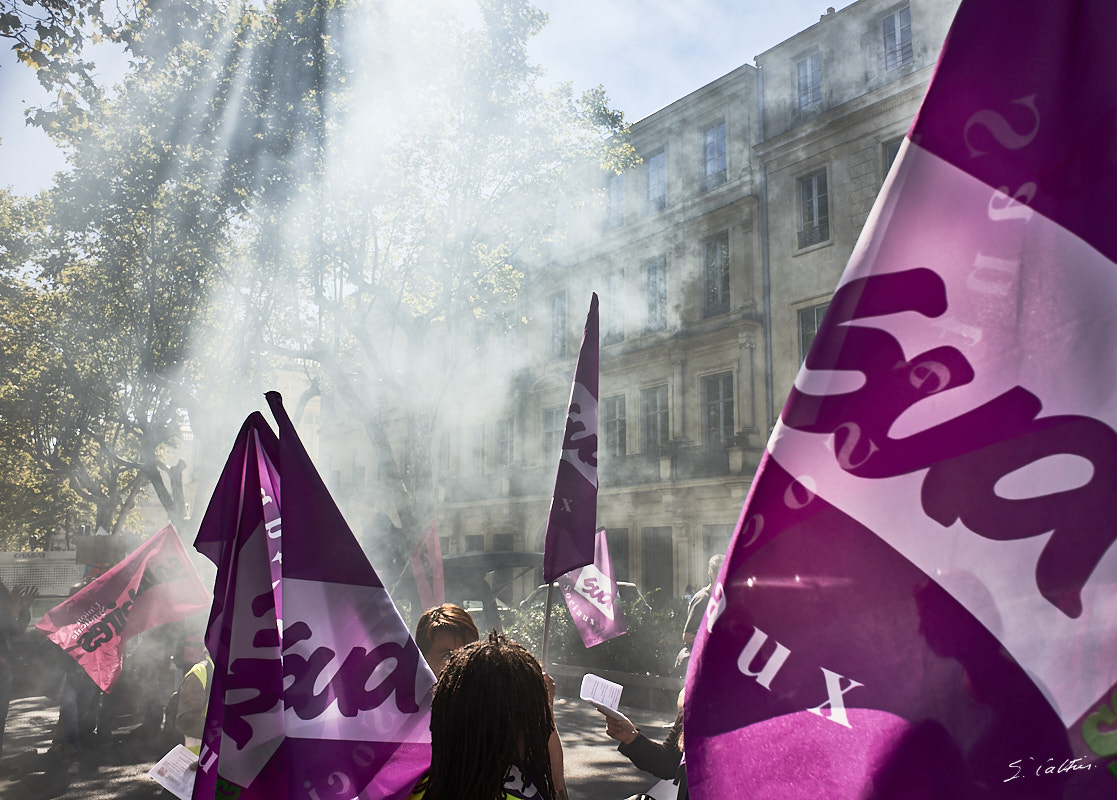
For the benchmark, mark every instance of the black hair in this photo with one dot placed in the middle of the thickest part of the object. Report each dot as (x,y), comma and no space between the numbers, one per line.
(489,711)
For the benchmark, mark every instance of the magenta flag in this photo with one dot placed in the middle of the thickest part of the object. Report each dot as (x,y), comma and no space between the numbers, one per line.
(592,598)
(318,688)
(426,565)
(920,599)
(155,585)
(573,516)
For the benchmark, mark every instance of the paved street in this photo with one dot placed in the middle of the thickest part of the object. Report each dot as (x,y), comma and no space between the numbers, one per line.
(594,768)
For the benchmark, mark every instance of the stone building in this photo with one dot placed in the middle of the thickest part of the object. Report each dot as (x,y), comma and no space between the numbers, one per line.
(714,259)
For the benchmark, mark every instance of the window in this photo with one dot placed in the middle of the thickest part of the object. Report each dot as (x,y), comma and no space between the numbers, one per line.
(474,542)
(809,320)
(613,308)
(657,432)
(505,430)
(656,171)
(715,541)
(504,542)
(657,293)
(477,448)
(554,428)
(889,151)
(616,201)
(716,274)
(359,477)
(612,418)
(717,396)
(659,564)
(558,325)
(897,38)
(809,75)
(444,451)
(617,539)
(714,151)
(814,213)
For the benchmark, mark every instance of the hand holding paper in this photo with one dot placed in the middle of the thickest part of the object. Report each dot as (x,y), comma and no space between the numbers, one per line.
(603,695)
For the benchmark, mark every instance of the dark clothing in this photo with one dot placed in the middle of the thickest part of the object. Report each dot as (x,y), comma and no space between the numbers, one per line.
(13,622)
(664,760)
(697,609)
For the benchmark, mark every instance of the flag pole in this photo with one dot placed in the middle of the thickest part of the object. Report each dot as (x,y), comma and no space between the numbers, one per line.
(547,627)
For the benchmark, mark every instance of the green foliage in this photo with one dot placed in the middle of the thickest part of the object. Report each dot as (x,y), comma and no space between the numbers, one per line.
(653,640)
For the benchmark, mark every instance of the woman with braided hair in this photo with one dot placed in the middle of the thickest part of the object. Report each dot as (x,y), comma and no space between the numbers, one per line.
(490,726)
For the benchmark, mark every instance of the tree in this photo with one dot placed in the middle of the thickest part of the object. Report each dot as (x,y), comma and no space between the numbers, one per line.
(431,192)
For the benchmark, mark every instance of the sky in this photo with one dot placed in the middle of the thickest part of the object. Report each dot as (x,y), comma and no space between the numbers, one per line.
(646,53)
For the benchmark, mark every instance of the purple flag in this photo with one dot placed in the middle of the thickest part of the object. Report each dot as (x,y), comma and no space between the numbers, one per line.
(919,599)
(573,516)
(324,694)
(591,595)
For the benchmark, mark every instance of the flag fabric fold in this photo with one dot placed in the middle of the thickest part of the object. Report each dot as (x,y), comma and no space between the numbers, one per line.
(154,585)
(318,686)
(592,598)
(569,542)
(920,592)
(426,566)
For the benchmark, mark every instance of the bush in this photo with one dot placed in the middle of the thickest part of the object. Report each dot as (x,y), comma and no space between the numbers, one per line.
(655,635)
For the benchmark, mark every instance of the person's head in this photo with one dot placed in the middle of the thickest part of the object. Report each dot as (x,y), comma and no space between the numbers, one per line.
(442,630)
(714,567)
(489,710)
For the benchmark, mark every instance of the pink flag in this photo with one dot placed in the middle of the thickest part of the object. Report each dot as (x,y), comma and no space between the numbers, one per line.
(426,564)
(920,599)
(318,689)
(155,585)
(570,526)
(591,595)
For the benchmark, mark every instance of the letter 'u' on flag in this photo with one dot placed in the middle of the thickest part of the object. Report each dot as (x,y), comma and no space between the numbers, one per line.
(318,688)
(570,525)
(592,598)
(922,588)
(154,585)
(426,566)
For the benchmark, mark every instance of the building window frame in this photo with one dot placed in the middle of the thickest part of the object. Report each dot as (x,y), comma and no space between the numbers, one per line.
(814,208)
(505,440)
(655,172)
(614,425)
(615,191)
(558,325)
(808,319)
(715,274)
(889,150)
(655,407)
(656,272)
(808,80)
(718,407)
(896,38)
(614,301)
(554,430)
(714,155)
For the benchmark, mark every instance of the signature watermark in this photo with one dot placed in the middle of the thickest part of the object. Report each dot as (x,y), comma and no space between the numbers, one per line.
(1022,768)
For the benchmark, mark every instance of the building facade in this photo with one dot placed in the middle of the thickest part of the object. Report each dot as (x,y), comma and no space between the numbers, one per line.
(714,259)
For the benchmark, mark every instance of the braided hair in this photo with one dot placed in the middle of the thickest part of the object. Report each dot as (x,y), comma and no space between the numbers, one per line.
(489,711)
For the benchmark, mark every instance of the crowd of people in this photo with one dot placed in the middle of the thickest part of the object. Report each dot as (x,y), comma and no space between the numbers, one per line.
(493,730)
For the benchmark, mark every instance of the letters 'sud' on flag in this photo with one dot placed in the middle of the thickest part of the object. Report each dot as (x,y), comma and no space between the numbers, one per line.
(155,585)
(570,525)
(921,593)
(592,597)
(426,565)
(338,705)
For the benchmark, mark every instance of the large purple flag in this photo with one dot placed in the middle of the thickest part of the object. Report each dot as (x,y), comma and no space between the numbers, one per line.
(919,599)
(573,516)
(318,687)
(592,598)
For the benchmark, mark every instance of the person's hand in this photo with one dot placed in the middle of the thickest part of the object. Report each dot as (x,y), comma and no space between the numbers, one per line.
(549,682)
(623,732)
